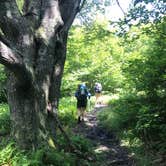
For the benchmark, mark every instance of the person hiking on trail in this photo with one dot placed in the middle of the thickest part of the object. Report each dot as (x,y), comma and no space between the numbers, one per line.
(82,94)
(98,91)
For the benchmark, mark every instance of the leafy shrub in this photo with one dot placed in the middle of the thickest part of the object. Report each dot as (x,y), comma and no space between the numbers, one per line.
(122,114)
(49,156)
(10,154)
(2,85)
(59,156)
(81,144)
(67,111)
(139,118)
(4,119)
(151,129)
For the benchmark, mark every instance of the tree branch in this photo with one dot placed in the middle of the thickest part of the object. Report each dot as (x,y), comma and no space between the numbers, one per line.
(7,56)
(120,7)
(82,5)
(8,43)
(4,40)
(70,10)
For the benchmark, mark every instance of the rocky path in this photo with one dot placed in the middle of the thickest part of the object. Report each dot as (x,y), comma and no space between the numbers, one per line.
(106,146)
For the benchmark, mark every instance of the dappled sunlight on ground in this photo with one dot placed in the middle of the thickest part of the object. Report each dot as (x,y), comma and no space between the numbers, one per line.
(104,99)
(107,98)
(101,148)
(105,145)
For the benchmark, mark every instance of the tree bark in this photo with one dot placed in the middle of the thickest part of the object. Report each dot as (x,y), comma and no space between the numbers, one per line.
(57,73)
(33,48)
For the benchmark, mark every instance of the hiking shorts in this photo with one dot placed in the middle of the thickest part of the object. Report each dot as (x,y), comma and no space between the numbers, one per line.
(97,91)
(82,103)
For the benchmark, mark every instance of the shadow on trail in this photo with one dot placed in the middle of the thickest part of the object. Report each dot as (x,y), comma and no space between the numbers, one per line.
(106,146)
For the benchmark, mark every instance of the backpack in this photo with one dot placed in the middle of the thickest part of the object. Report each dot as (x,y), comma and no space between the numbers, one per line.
(98,87)
(81,92)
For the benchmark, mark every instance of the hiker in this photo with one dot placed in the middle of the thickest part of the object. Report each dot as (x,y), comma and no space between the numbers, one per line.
(98,91)
(82,94)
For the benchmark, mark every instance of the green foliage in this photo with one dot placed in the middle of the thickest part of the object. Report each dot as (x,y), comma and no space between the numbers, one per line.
(47,156)
(20,4)
(142,12)
(146,72)
(4,119)
(134,66)
(59,156)
(137,128)
(11,155)
(139,114)
(2,84)
(136,147)
(122,114)
(93,56)
(67,111)
(82,144)
(93,8)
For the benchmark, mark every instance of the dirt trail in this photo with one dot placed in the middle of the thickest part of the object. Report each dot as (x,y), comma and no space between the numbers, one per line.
(106,146)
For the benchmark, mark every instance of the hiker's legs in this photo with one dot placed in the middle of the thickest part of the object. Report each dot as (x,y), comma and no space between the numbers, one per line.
(98,96)
(79,110)
(83,111)
(79,114)
(99,99)
(81,107)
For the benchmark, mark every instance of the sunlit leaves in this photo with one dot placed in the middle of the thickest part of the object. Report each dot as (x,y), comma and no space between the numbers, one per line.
(20,4)
(93,55)
(2,84)
(142,12)
(91,9)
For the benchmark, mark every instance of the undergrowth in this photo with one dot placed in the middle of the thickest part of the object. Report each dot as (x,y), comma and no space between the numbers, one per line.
(61,155)
(67,111)
(136,127)
(4,119)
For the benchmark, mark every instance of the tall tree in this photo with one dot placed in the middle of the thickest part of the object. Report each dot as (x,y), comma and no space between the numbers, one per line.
(33,49)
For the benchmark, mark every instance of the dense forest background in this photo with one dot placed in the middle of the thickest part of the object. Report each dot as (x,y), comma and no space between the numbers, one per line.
(131,66)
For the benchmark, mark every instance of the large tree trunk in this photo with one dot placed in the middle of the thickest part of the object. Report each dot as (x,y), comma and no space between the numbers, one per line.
(23,103)
(58,70)
(33,48)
